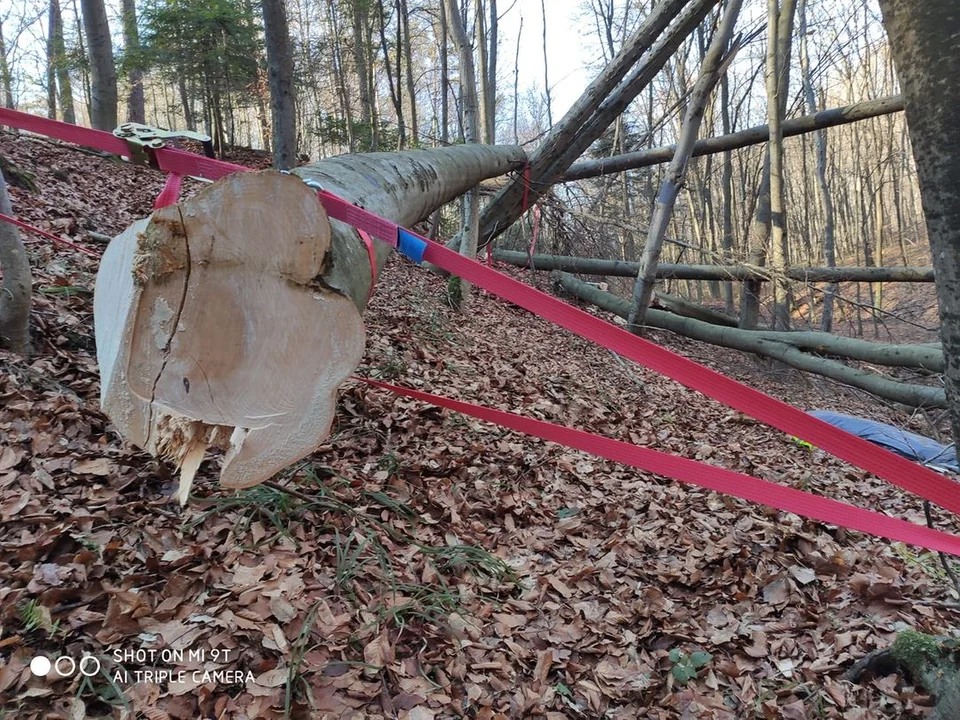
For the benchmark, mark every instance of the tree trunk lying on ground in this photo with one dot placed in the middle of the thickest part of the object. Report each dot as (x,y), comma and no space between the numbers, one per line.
(230,319)
(743,138)
(931,662)
(670,271)
(755,342)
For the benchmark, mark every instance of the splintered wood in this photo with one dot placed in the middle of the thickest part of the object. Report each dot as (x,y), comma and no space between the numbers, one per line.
(214,329)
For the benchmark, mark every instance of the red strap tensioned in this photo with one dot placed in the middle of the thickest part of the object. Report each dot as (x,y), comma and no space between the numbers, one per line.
(168,159)
(706,476)
(533,235)
(372,255)
(170,192)
(897,470)
(855,450)
(48,236)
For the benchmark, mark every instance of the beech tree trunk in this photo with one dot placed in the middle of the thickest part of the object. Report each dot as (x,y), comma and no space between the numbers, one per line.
(280,77)
(923,36)
(15,292)
(208,335)
(103,71)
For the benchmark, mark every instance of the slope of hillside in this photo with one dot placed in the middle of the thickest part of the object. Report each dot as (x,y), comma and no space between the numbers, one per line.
(421,564)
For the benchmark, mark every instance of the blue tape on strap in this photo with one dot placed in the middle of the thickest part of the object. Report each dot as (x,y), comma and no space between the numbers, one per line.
(411,246)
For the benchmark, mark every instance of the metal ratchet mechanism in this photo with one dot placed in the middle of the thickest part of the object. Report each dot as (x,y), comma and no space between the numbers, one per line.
(144,139)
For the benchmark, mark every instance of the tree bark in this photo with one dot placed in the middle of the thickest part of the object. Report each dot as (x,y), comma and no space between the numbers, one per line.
(754,342)
(280,77)
(619,268)
(136,104)
(103,71)
(207,335)
(15,292)
(677,170)
(922,36)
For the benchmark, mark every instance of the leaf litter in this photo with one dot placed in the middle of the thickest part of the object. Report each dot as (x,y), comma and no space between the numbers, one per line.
(422,564)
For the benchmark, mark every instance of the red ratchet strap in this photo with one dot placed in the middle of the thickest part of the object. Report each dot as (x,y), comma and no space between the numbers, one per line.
(48,236)
(170,193)
(706,476)
(168,159)
(857,451)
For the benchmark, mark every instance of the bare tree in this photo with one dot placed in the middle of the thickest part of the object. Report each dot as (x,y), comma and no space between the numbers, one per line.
(15,292)
(136,112)
(280,75)
(823,189)
(103,71)
(471,131)
(62,71)
(677,170)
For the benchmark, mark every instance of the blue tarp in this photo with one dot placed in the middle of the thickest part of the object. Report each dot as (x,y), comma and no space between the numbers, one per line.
(918,448)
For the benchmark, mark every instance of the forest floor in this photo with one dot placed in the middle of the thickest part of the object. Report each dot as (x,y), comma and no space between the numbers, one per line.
(422,564)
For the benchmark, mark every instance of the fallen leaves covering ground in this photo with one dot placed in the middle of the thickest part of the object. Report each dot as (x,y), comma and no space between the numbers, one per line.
(422,564)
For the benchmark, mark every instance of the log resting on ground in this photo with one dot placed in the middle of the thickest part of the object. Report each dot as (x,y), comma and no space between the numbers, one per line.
(754,342)
(743,138)
(671,271)
(231,318)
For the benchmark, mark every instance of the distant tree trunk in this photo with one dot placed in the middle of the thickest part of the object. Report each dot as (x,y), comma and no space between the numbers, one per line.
(395,91)
(826,201)
(759,233)
(471,131)
(103,71)
(727,190)
(360,24)
(778,220)
(490,118)
(280,76)
(136,111)
(922,37)
(546,74)
(5,78)
(60,64)
(51,75)
(17,284)
(408,61)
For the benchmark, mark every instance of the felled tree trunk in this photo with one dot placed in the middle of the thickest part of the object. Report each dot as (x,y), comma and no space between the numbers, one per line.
(230,319)
(759,344)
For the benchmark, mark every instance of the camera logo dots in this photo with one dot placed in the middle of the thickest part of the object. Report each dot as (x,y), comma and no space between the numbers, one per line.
(65,666)
(40,666)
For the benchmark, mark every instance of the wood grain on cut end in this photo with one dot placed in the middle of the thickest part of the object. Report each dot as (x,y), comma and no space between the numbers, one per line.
(211,329)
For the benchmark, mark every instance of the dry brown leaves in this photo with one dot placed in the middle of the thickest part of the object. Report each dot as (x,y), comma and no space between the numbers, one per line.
(363,592)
